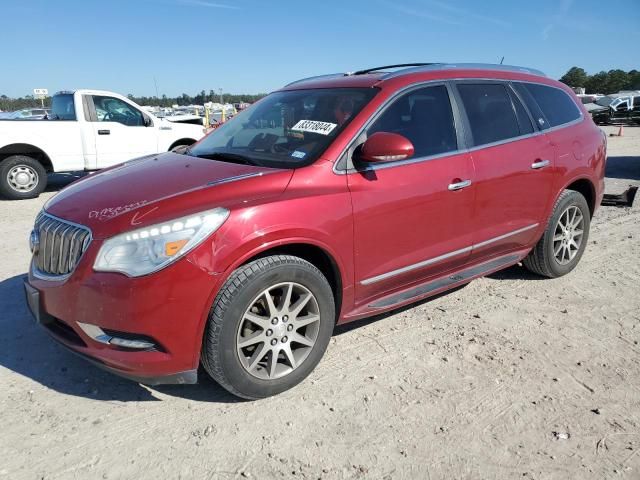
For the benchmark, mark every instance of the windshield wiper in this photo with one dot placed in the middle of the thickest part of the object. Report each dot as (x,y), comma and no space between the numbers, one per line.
(228,157)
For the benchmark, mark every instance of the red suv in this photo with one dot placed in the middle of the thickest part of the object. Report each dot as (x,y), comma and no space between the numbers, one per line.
(332,199)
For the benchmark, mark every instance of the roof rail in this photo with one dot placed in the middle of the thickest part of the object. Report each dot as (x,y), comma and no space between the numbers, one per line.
(377,69)
(452,66)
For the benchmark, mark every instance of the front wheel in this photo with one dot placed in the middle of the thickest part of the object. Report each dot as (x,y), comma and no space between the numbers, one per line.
(269,326)
(563,243)
(22,177)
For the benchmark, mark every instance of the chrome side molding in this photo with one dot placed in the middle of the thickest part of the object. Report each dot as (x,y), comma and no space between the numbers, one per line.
(431,261)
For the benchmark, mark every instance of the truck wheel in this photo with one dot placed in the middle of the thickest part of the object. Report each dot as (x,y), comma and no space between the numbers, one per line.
(563,243)
(268,327)
(22,177)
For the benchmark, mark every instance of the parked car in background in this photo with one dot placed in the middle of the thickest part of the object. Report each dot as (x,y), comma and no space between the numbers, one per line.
(617,107)
(333,199)
(86,130)
(26,114)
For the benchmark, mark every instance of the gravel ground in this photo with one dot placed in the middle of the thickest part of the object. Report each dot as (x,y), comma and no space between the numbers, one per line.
(509,377)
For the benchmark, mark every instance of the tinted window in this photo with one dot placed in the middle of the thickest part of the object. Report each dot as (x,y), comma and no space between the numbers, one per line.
(423,116)
(109,109)
(556,105)
(536,113)
(490,112)
(62,107)
(524,122)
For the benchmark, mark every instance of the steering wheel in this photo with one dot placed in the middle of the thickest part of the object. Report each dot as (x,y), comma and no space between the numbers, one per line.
(279,148)
(108,116)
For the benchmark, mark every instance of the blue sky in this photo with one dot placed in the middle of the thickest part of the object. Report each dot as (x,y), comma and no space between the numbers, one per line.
(251,46)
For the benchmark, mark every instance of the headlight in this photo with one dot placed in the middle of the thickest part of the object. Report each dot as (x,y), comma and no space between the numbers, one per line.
(144,251)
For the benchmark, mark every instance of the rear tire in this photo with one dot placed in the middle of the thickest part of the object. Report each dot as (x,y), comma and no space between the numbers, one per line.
(22,177)
(563,243)
(269,326)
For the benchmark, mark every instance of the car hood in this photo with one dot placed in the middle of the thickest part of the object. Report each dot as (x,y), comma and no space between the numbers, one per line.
(157,188)
(594,107)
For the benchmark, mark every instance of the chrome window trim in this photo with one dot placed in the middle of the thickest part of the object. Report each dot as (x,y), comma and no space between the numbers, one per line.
(61,278)
(409,161)
(431,261)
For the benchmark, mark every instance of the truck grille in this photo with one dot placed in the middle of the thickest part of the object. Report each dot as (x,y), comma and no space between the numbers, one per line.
(61,244)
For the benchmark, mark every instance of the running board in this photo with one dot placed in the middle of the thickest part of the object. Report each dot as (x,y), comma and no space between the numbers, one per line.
(444,282)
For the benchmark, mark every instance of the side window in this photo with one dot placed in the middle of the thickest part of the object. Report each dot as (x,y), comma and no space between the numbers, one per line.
(491,114)
(524,122)
(424,116)
(109,109)
(557,106)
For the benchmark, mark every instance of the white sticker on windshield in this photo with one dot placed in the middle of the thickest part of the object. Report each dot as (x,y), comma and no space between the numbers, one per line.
(313,126)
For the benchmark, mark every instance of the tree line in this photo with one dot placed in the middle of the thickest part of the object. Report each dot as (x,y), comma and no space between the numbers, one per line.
(602,82)
(11,104)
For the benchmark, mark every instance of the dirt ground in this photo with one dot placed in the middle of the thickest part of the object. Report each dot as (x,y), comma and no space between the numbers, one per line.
(509,377)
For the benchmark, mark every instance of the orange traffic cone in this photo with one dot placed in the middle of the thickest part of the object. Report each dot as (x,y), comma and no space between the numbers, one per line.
(620,132)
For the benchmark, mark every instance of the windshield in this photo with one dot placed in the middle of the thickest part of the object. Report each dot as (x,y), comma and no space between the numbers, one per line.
(62,107)
(287,129)
(604,101)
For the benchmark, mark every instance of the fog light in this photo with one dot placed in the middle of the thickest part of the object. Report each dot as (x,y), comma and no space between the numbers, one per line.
(101,336)
(125,343)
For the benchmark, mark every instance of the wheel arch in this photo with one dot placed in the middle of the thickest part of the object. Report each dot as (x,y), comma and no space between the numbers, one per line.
(28,150)
(586,188)
(318,256)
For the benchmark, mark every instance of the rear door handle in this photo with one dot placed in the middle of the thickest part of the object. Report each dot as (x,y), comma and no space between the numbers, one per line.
(539,164)
(459,185)
(104,132)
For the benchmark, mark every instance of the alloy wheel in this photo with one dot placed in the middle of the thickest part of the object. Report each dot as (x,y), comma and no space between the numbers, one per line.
(278,330)
(568,234)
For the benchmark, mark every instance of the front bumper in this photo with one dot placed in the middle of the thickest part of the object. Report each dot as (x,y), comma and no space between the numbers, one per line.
(171,307)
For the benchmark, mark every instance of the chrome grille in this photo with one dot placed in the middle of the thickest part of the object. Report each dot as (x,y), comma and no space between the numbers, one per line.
(61,245)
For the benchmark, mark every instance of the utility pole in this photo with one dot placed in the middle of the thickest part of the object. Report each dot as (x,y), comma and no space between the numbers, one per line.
(220,90)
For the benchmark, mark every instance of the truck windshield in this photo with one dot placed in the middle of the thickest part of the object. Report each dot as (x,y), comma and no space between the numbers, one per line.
(287,129)
(62,107)
(604,101)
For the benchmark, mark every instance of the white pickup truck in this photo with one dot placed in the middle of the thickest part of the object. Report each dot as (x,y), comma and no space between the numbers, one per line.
(86,130)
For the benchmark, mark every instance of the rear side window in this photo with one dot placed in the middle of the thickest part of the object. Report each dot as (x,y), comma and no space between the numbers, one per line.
(524,122)
(63,107)
(490,112)
(423,116)
(556,105)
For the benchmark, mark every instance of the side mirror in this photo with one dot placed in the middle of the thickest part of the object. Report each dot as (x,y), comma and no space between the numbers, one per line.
(386,147)
(147,121)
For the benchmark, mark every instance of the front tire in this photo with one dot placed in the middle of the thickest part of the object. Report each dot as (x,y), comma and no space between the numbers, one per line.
(269,326)
(563,243)
(22,177)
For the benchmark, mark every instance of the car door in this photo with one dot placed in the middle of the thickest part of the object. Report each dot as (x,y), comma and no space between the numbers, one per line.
(514,168)
(412,218)
(121,131)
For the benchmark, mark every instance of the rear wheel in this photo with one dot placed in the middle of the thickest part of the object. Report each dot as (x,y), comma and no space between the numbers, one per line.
(563,243)
(269,326)
(22,177)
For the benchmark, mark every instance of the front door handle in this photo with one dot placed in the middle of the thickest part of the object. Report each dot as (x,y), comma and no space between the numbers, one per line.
(459,185)
(104,132)
(539,164)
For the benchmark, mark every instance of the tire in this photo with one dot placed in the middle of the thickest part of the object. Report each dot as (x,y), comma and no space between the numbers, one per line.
(555,255)
(246,371)
(22,177)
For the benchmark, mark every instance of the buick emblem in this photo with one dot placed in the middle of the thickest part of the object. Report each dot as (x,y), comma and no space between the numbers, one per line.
(34,242)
